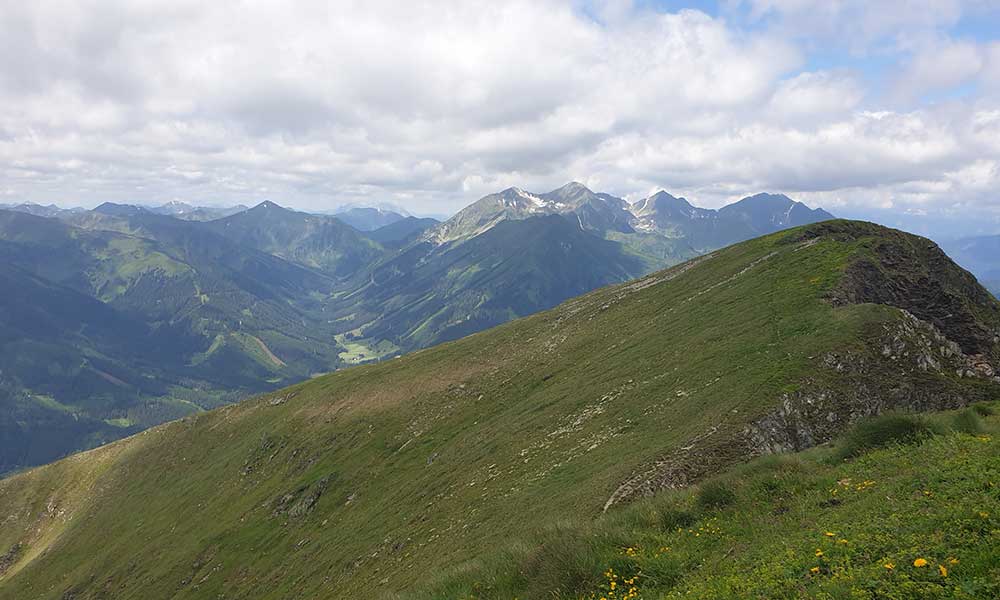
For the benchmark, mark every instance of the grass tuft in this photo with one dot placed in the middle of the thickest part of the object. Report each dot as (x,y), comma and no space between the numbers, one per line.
(715,494)
(675,518)
(564,563)
(883,431)
(983,410)
(967,421)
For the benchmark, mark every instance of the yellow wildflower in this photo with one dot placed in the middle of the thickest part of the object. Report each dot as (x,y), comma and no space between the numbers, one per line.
(829,534)
(943,570)
(814,570)
(819,552)
(952,561)
(889,566)
(920,562)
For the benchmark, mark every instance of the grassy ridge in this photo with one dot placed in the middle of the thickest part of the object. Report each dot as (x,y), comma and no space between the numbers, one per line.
(377,479)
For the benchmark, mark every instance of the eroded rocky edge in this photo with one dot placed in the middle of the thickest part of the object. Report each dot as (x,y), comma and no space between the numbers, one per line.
(907,366)
(912,273)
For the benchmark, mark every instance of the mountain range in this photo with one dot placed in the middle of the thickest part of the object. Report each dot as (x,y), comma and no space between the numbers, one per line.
(185,312)
(187,212)
(49,210)
(513,253)
(482,467)
(323,243)
(177,209)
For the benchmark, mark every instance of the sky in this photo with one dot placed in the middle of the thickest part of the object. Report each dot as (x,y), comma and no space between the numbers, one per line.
(886,110)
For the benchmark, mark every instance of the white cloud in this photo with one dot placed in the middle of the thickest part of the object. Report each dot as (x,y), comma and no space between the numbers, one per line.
(431,104)
(816,97)
(938,66)
(990,75)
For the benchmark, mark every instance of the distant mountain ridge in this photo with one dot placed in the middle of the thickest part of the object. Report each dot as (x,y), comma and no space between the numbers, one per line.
(660,213)
(182,210)
(399,233)
(50,210)
(317,241)
(368,218)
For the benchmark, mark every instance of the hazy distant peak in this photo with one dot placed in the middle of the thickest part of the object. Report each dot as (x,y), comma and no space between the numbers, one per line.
(176,204)
(660,199)
(119,210)
(765,201)
(765,198)
(268,205)
(573,193)
(370,218)
(572,188)
(380,207)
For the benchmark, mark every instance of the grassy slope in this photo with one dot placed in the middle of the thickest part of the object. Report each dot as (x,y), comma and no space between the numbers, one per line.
(791,526)
(379,477)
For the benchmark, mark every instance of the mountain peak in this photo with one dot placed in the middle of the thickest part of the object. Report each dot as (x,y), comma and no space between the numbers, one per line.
(267,205)
(369,218)
(663,196)
(574,186)
(766,211)
(765,197)
(765,201)
(663,204)
(572,193)
(516,197)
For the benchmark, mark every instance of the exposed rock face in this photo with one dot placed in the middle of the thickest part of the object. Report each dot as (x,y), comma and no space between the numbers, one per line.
(303,500)
(949,327)
(10,557)
(889,375)
(682,467)
(916,275)
(876,383)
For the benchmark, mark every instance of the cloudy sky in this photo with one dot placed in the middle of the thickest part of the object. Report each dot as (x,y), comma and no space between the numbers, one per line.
(865,108)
